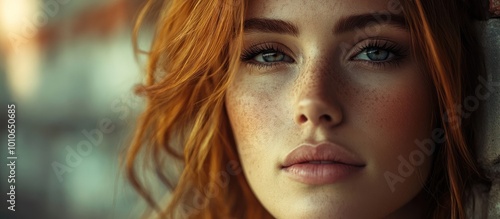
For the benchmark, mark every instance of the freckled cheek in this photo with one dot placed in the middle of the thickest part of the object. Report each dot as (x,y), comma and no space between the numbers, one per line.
(400,112)
(394,119)
(246,116)
(253,118)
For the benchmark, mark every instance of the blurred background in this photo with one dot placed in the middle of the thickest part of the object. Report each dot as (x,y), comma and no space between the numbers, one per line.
(69,67)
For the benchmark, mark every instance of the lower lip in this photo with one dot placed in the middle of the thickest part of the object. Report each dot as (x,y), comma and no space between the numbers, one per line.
(318,174)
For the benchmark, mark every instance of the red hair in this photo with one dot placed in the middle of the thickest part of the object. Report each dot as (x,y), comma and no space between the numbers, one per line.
(194,55)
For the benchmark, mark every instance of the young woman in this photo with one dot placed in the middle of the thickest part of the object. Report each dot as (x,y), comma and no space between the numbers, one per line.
(310,109)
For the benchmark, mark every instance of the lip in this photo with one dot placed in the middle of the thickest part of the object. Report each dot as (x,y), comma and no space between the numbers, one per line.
(324,163)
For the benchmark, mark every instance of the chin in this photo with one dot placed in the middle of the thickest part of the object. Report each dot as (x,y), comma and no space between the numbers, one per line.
(324,208)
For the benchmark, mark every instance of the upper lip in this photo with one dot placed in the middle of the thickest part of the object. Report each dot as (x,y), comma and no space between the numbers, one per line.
(325,151)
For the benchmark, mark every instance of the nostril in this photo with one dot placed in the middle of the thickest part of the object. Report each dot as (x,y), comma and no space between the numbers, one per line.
(317,112)
(326,118)
(302,118)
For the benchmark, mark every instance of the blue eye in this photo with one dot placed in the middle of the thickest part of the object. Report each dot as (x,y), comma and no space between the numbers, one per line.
(378,53)
(375,54)
(272,56)
(266,55)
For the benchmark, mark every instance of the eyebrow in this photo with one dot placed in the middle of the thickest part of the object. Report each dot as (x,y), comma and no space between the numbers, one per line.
(345,24)
(351,23)
(270,26)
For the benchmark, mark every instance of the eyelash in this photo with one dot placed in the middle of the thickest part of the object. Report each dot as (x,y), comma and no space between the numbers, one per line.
(398,51)
(249,54)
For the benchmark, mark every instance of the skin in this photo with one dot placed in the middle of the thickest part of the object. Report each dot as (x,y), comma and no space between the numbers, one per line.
(321,93)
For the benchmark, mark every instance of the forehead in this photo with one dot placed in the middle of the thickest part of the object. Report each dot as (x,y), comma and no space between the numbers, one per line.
(310,10)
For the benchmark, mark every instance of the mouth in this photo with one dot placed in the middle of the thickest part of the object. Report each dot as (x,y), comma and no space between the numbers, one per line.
(319,162)
(325,163)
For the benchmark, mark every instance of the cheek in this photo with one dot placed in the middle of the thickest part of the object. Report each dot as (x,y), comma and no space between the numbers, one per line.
(393,119)
(401,117)
(253,115)
(400,111)
(395,106)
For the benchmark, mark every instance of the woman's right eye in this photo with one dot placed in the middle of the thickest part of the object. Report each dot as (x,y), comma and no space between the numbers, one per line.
(272,56)
(265,55)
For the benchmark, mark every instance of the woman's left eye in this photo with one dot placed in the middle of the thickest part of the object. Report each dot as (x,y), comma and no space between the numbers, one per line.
(375,54)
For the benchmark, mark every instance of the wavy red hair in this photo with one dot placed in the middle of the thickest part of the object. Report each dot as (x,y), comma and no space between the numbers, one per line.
(193,57)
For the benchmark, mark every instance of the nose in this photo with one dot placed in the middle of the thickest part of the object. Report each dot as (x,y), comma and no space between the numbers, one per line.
(317,101)
(318,113)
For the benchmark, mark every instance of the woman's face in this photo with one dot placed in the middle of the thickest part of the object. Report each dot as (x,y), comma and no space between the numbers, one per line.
(326,109)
